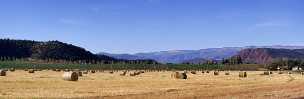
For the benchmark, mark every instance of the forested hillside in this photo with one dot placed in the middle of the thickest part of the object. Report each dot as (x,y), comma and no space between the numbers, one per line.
(51,50)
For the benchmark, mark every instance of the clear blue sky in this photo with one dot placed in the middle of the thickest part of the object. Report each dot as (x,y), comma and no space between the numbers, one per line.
(130,26)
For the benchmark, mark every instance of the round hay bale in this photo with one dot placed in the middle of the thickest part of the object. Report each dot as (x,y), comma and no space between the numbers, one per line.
(207,71)
(267,73)
(302,73)
(31,71)
(79,73)
(193,72)
(280,72)
(289,72)
(216,73)
(203,72)
(142,71)
(111,72)
(242,74)
(26,69)
(70,76)
(2,73)
(58,70)
(137,72)
(123,73)
(132,74)
(12,69)
(93,71)
(178,75)
(227,73)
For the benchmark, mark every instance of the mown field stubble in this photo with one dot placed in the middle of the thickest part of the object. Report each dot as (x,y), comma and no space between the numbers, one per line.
(151,85)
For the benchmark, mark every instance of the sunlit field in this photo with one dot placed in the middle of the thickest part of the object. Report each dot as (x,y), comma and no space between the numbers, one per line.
(151,85)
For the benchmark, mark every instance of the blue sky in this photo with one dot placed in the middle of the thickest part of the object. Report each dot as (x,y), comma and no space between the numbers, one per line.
(130,26)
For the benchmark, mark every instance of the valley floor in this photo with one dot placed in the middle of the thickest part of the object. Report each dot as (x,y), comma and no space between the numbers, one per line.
(152,85)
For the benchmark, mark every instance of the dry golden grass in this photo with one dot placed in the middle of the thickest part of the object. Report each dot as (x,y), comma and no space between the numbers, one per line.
(151,85)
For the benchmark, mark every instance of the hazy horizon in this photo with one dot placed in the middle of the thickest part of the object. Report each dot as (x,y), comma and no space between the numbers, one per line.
(135,26)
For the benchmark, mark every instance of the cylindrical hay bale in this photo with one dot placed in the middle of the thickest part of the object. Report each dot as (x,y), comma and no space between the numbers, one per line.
(123,73)
(243,74)
(184,75)
(280,72)
(25,69)
(131,74)
(2,73)
(111,72)
(227,73)
(203,72)
(58,70)
(70,76)
(207,71)
(93,71)
(302,73)
(12,69)
(79,73)
(137,72)
(142,71)
(178,75)
(193,72)
(267,73)
(216,73)
(31,71)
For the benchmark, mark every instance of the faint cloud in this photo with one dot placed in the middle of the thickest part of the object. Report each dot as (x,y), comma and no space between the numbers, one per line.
(71,21)
(269,24)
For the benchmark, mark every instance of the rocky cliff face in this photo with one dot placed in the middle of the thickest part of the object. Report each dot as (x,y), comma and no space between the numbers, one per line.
(267,55)
(258,55)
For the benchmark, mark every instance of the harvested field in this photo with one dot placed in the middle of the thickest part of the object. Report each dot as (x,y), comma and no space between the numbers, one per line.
(151,85)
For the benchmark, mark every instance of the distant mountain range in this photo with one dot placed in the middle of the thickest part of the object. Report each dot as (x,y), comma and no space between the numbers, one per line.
(180,56)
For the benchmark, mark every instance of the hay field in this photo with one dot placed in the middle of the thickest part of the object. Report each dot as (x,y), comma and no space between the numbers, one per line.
(151,85)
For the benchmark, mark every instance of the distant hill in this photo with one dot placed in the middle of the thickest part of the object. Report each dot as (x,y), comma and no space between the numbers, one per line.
(123,56)
(46,50)
(180,56)
(267,55)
